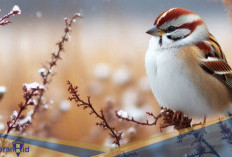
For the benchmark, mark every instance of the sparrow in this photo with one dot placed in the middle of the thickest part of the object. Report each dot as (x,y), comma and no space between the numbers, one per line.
(186,67)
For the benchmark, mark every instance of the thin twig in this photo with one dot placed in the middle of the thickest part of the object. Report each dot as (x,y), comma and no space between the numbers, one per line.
(131,119)
(55,56)
(46,74)
(73,90)
(5,19)
(29,93)
(168,116)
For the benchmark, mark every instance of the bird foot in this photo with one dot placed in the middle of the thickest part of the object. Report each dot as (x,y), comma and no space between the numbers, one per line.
(180,121)
(174,118)
(178,116)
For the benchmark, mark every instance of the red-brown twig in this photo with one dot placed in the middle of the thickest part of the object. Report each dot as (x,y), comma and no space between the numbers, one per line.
(5,19)
(17,120)
(46,73)
(73,90)
(168,116)
(131,119)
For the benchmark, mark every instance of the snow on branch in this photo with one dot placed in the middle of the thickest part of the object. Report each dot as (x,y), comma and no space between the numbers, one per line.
(17,120)
(168,116)
(47,71)
(5,19)
(34,92)
(125,116)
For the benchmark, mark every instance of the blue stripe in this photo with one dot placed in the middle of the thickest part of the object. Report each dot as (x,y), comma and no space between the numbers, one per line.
(214,140)
(76,151)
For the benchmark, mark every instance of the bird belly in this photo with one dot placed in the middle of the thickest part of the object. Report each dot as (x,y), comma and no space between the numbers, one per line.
(173,87)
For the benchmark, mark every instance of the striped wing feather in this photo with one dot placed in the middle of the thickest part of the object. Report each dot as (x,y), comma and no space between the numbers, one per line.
(215,62)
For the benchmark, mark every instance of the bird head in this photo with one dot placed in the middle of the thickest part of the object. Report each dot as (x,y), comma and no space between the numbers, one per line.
(178,27)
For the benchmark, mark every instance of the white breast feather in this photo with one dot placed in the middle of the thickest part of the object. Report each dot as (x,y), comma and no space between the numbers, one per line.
(171,84)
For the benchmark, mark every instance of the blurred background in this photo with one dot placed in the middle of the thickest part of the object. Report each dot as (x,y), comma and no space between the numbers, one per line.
(105,58)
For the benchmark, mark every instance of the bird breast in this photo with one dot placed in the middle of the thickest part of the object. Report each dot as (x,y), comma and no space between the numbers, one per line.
(176,86)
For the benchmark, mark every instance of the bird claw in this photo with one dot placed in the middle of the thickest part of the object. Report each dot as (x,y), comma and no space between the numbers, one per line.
(174,118)
(178,116)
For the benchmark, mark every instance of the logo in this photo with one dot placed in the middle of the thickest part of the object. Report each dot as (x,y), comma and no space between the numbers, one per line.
(18,147)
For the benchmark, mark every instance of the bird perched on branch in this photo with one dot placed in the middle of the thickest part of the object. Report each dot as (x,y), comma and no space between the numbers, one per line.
(186,66)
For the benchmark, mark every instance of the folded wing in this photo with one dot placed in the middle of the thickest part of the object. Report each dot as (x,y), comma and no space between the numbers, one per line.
(215,62)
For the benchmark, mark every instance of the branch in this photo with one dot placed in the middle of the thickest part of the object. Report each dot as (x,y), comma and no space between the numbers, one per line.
(73,90)
(5,19)
(125,116)
(47,72)
(18,121)
(34,96)
(168,116)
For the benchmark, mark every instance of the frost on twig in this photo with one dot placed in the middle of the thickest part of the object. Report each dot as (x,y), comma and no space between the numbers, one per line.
(168,116)
(125,116)
(73,90)
(47,71)
(34,92)
(5,19)
(17,120)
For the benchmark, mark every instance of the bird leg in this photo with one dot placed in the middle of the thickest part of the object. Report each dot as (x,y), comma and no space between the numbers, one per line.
(174,118)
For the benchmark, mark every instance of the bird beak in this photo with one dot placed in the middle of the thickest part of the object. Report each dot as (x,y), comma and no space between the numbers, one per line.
(155,31)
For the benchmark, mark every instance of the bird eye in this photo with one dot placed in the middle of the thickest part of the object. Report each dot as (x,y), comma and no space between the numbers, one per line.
(171,28)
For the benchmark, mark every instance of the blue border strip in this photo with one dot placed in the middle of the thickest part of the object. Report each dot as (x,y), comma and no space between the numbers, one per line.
(214,140)
(76,151)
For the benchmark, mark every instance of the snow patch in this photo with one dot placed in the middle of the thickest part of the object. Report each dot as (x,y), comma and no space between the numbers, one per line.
(16,10)
(14,114)
(34,85)
(123,114)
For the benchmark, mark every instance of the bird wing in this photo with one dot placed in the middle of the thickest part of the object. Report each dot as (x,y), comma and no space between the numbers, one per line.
(215,62)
